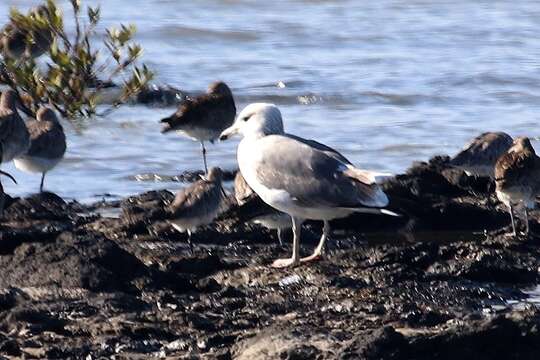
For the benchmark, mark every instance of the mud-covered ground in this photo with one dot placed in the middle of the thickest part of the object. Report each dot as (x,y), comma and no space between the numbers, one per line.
(113,280)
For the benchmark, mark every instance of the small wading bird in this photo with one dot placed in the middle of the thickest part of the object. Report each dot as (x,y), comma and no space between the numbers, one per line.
(303,178)
(517,178)
(47,145)
(2,195)
(204,117)
(271,219)
(479,156)
(14,136)
(198,204)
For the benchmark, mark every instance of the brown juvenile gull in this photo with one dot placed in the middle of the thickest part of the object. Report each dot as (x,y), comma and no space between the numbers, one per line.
(271,218)
(14,136)
(47,145)
(204,117)
(197,204)
(14,40)
(517,178)
(303,178)
(479,156)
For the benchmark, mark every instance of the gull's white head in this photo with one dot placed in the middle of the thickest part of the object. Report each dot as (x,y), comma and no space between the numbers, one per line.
(256,120)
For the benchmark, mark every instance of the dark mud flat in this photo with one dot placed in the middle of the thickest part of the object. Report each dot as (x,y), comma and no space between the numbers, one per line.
(433,284)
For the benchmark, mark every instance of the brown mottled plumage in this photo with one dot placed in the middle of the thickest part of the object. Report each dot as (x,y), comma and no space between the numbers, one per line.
(47,144)
(242,192)
(270,218)
(478,157)
(204,117)
(2,195)
(14,136)
(198,204)
(517,177)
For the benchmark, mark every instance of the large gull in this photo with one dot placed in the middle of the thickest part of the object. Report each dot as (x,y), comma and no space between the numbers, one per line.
(300,177)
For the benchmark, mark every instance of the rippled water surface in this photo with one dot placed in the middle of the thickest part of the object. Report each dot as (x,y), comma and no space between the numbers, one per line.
(385,82)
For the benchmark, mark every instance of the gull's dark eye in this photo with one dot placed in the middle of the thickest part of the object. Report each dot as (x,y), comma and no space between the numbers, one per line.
(246,118)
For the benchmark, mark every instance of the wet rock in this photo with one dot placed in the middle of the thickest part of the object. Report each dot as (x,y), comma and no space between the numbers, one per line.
(11,297)
(47,232)
(31,319)
(88,262)
(76,284)
(384,344)
(283,343)
(9,346)
(141,210)
(40,206)
(200,266)
(208,285)
(505,336)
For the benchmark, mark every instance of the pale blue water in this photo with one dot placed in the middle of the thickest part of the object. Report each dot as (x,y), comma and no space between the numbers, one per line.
(385,82)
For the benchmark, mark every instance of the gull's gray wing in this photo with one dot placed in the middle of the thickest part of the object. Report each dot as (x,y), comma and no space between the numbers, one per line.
(321,147)
(313,174)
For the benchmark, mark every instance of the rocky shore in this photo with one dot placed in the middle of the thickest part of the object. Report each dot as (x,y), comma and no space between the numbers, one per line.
(113,280)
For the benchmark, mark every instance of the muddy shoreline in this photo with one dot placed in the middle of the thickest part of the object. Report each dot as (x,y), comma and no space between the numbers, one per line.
(434,284)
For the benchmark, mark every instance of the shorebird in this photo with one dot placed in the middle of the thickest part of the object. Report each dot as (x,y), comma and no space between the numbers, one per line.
(242,192)
(303,178)
(47,145)
(198,204)
(204,117)
(14,41)
(479,156)
(274,220)
(2,195)
(14,136)
(517,178)
(271,218)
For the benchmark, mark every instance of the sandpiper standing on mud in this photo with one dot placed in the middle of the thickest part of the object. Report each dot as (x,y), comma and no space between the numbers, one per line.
(204,117)
(47,145)
(517,178)
(300,177)
(14,137)
(271,219)
(198,204)
(2,195)
(479,156)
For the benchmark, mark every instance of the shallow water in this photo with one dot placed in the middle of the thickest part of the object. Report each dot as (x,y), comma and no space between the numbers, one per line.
(385,82)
